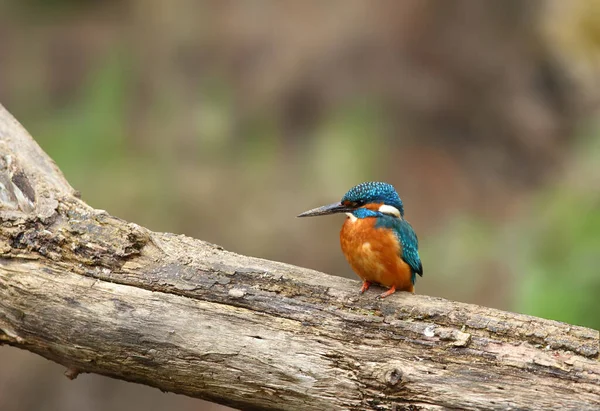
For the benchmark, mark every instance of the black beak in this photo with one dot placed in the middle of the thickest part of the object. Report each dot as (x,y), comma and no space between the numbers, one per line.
(328,209)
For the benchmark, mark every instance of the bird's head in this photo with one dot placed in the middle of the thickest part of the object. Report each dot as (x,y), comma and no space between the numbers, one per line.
(376,196)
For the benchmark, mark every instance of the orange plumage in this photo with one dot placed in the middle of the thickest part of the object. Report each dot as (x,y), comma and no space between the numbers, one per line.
(374,254)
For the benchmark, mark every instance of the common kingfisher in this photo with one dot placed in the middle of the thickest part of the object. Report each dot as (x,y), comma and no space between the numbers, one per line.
(380,245)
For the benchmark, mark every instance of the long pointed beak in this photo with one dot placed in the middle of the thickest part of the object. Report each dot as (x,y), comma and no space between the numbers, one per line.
(328,209)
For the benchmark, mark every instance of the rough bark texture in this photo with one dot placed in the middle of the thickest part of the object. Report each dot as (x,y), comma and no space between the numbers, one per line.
(98,294)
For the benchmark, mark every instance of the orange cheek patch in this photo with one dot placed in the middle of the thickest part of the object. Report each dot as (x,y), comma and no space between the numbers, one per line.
(373,206)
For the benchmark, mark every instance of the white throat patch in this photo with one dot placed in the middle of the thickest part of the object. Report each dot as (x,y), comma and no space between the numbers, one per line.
(352,217)
(390,210)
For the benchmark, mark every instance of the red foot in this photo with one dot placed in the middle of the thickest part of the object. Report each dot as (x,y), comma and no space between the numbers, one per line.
(391,291)
(365,286)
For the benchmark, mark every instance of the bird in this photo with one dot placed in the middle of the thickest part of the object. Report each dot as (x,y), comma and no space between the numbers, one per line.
(379,244)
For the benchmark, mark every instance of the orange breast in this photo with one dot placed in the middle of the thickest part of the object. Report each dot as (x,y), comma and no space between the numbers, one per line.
(374,254)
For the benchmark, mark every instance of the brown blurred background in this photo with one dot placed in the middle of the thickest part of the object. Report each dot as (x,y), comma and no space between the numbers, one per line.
(224,119)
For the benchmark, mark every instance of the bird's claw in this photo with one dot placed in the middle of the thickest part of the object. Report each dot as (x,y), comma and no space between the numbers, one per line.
(391,291)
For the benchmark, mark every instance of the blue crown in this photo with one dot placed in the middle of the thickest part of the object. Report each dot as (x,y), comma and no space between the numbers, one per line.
(374,192)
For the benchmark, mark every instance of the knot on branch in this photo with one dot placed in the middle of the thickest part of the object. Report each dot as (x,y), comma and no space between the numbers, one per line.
(393,376)
(391,373)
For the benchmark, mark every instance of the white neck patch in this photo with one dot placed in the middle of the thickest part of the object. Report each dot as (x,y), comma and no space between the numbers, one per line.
(352,217)
(390,210)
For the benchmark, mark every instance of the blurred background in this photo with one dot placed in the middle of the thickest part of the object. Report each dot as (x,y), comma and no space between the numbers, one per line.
(222,120)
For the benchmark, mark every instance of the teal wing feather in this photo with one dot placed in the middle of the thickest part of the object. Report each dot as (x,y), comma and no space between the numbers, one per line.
(410,247)
(409,241)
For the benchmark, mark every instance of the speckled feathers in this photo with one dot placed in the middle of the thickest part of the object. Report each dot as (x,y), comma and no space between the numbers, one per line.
(374,192)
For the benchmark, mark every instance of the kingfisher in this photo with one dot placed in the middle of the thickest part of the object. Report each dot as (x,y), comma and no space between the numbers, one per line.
(380,245)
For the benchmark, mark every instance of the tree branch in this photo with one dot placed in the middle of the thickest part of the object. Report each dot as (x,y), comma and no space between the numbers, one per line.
(98,294)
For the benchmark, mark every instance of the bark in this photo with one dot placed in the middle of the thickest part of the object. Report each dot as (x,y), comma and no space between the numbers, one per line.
(98,294)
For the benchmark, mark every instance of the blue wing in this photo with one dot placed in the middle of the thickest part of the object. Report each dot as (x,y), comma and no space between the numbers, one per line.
(410,247)
(409,241)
